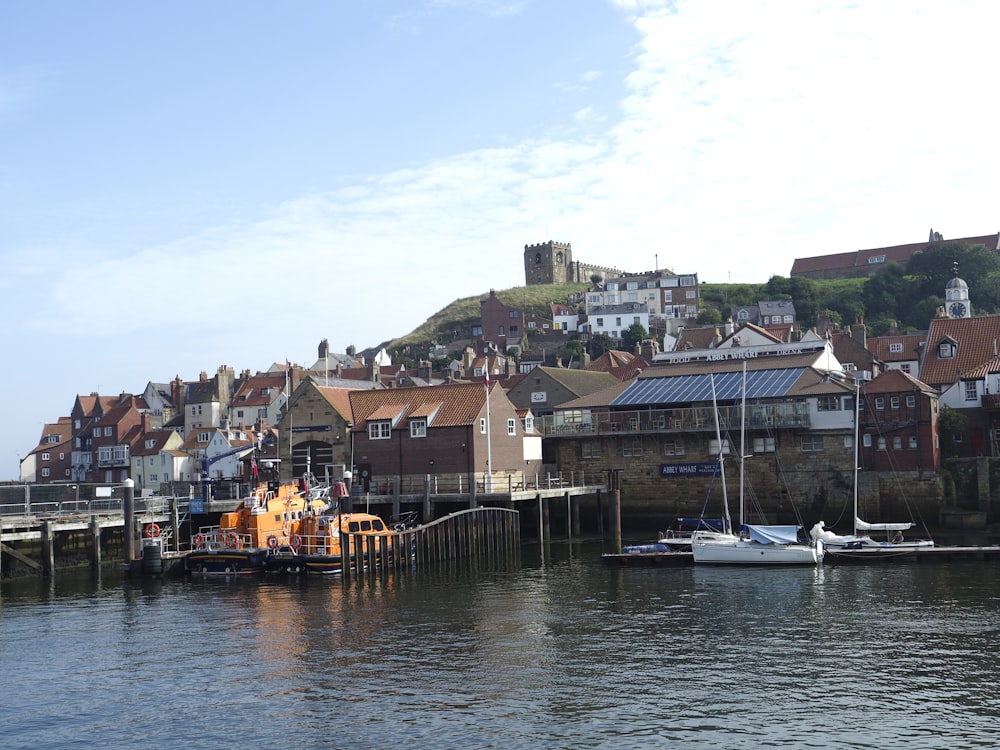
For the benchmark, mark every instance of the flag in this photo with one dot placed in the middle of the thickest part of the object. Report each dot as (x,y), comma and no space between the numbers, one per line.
(486,377)
(253,467)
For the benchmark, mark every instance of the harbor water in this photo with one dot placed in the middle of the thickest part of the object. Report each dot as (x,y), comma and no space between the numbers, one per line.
(551,650)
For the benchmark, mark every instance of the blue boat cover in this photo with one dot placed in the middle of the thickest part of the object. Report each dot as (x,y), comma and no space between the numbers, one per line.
(773,534)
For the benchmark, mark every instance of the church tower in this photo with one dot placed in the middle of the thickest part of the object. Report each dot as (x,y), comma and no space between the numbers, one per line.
(548,263)
(956,298)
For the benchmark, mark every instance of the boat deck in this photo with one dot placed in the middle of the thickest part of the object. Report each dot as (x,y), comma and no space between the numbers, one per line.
(921,554)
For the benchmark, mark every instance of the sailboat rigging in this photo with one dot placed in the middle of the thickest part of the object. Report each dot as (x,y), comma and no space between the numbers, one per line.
(860,544)
(756,544)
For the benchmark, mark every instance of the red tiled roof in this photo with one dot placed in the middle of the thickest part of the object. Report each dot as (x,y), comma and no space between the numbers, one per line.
(895,253)
(461,403)
(908,346)
(978,340)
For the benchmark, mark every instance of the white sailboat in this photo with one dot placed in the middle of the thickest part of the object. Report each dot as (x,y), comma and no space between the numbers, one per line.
(755,545)
(860,543)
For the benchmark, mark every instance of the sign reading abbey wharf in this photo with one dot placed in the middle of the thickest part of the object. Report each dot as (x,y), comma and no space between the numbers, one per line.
(700,469)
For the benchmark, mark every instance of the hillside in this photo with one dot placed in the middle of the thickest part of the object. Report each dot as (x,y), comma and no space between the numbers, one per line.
(455,321)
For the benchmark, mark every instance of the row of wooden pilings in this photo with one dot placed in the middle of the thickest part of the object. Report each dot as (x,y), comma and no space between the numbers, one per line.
(473,533)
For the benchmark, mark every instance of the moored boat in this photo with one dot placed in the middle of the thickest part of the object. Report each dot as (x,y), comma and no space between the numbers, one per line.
(271,518)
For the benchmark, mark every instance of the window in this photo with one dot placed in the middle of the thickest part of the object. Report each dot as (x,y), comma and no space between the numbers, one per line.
(811,443)
(203,437)
(380,429)
(511,426)
(62,456)
(763,445)
(150,460)
(477,331)
(881,443)
(913,442)
(632,447)
(418,428)
(905,367)
(52,439)
(154,477)
(691,294)
(880,402)
(500,331)
(946,349)
(529,423)
(893,402)
(896,348)
(911,401)
(45,471)
(866,441)
(789,319)
(618,321)
(482,426)
(108,431)
(876,259)
(897,443)
(600,322)
(970,390)
(828,403)
(45,456)
(512,314)
(591,449)
(713,447)
(673,447)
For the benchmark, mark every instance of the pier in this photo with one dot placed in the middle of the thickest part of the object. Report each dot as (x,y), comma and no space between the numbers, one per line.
(44,534)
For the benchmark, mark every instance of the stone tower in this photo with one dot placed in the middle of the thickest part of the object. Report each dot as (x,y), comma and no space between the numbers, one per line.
(548,263)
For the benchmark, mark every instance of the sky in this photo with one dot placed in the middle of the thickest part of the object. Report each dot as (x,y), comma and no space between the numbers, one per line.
(187,185)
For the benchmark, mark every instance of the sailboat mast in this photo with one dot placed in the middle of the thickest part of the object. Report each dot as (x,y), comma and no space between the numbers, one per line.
(722,468)
(743,438)
(857,447)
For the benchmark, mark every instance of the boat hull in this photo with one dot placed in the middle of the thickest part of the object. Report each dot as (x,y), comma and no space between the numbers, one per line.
(226,562)
(751,553)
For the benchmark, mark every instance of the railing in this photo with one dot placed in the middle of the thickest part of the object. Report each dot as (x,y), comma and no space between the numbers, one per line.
(991,401)
(688,419)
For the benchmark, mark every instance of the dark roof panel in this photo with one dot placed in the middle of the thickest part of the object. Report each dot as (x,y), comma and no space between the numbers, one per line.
(685,389)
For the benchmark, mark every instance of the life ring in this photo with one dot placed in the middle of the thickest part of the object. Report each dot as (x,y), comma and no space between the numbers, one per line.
(232,540)
(152,531)
(199,540)
(295,542)
(272,541)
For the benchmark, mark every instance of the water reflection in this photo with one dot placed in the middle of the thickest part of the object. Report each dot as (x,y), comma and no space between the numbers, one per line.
(551,650)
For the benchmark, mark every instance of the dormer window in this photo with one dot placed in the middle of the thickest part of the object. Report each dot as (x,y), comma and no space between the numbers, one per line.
(947,349)
(876,259)
(896,348)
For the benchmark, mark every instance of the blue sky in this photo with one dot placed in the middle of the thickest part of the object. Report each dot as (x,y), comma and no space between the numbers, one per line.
(187,185)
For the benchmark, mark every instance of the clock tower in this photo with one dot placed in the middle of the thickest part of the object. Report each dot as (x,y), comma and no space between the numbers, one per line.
(956,298)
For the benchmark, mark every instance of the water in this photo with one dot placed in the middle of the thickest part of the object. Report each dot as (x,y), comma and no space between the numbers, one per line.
(560,653)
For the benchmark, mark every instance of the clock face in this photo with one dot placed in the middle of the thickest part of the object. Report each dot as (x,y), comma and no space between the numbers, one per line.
(957,309)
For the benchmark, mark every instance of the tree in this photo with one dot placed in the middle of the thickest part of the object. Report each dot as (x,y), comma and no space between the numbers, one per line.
(596,279)
(709,316)
(599,344)
(951,425)
(886,291)
(572,351)
(632,336)
(934,267)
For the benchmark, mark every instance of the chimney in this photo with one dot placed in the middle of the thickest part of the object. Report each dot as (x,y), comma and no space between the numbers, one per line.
(324,349)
